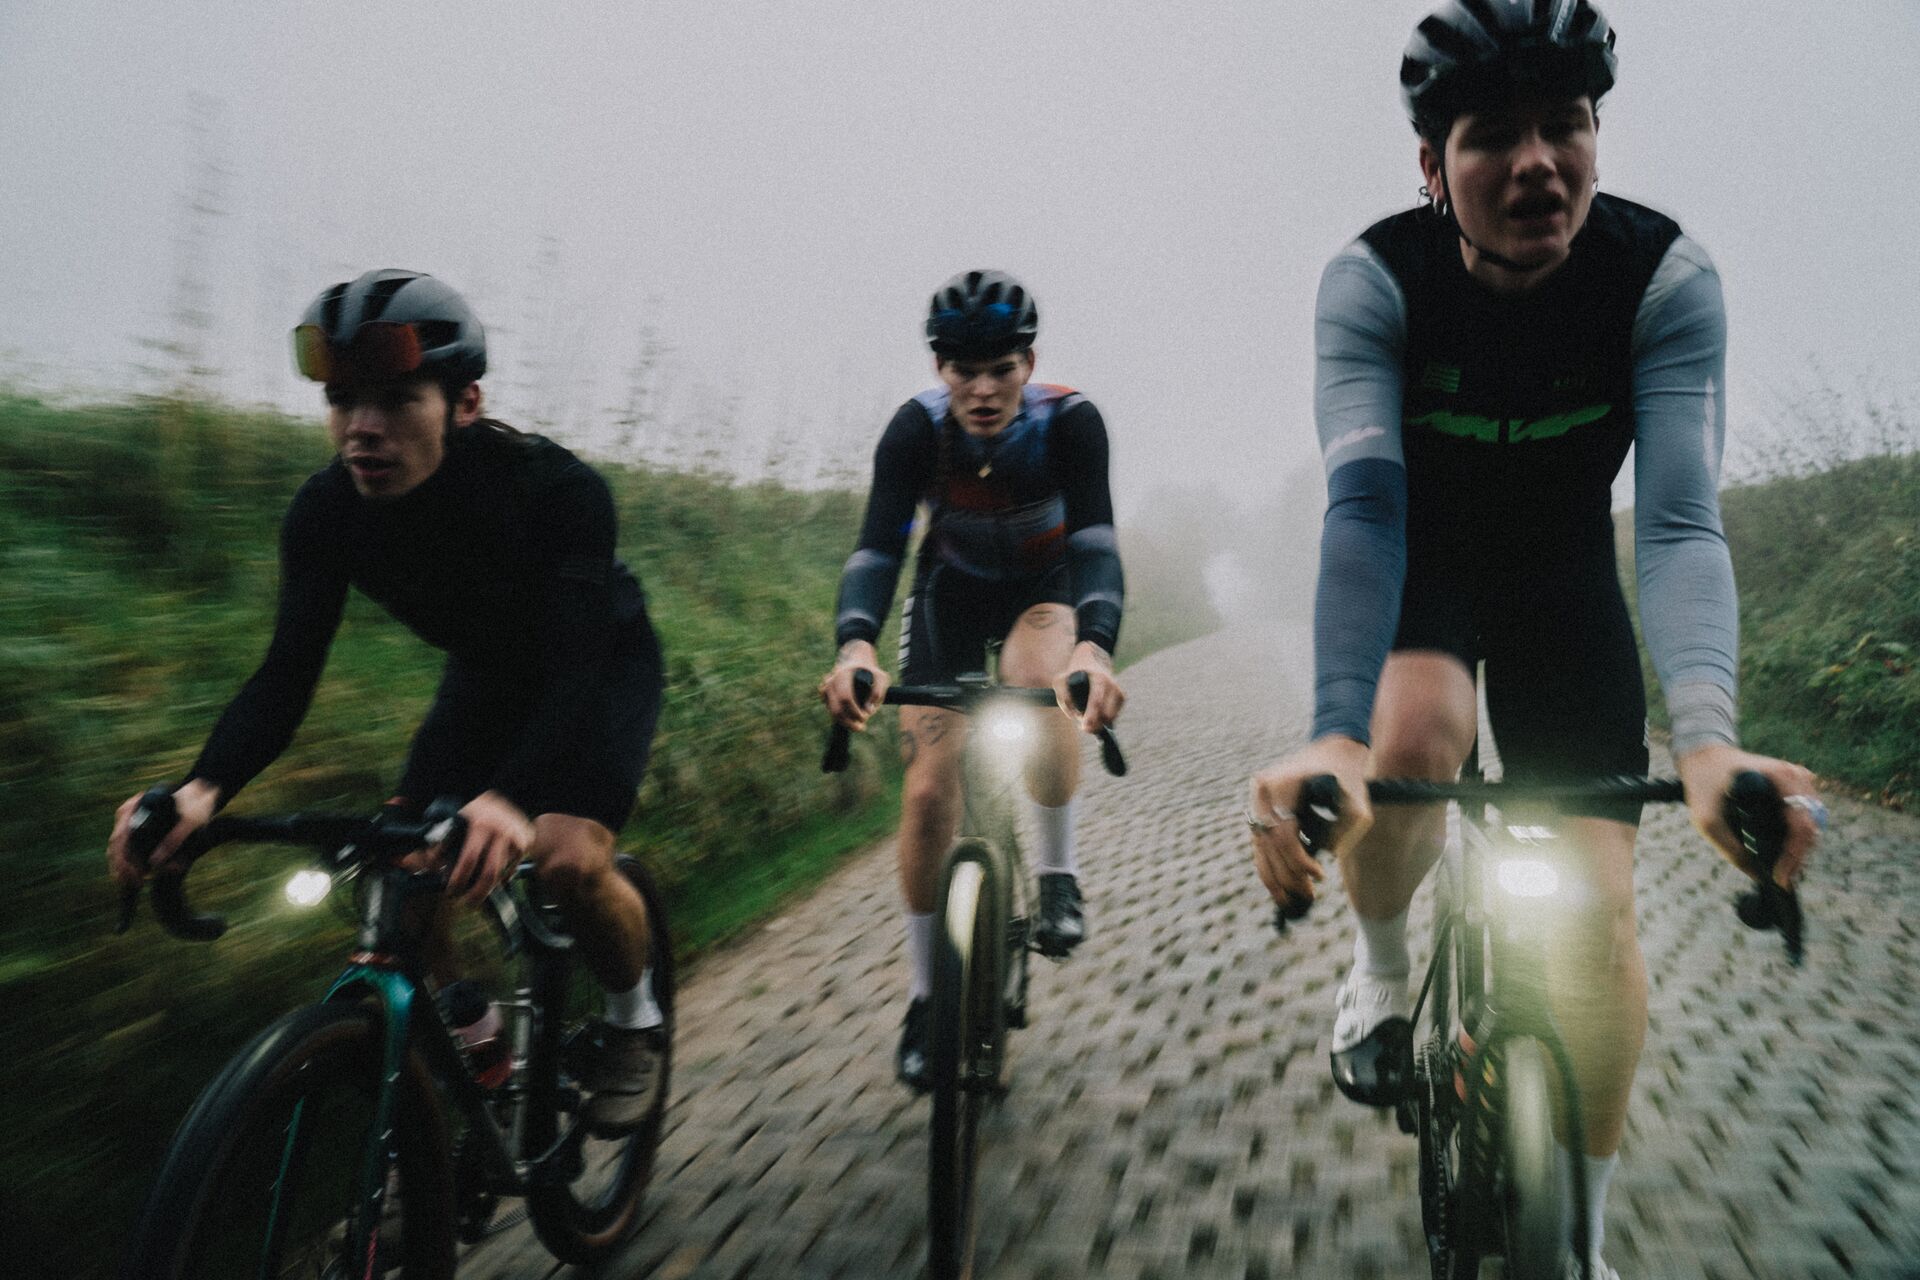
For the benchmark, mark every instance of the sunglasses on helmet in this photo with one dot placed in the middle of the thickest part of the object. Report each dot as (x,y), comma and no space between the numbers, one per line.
(378,349)
(993,315)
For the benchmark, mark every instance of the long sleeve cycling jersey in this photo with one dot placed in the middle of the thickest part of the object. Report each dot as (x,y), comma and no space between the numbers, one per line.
(1498,422)
(504,558)
(1004,508)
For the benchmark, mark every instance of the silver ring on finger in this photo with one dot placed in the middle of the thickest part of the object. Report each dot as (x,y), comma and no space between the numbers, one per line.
(1268,824)
(1812,806)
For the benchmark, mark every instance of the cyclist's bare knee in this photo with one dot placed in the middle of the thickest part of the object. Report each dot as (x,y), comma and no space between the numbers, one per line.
(573,854)
(1424,718)
(1039,646)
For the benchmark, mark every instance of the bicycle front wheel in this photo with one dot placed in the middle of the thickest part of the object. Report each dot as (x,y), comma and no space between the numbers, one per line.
(966,1028)
(583,1218)
(271,1161)
(1531,1209)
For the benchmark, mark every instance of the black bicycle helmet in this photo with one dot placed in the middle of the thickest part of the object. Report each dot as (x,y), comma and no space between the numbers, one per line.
(981,314)
(1470,54)
(388,323)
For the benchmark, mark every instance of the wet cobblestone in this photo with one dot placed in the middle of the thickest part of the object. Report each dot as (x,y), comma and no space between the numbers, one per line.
(1171,1113)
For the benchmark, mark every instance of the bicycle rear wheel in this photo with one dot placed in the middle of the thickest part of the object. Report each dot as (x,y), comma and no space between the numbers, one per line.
(271,1160)
(965,1035)
(1531,1208)
(583,1218)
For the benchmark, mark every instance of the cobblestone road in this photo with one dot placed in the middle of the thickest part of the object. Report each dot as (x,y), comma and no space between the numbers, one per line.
(1171,1113)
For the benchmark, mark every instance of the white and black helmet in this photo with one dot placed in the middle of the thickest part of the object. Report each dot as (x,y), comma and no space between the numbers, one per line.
(981,314)
(388,323)
(1471,54)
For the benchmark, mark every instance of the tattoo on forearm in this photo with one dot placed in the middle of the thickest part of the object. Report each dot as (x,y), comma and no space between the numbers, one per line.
(934,727)
(908,747)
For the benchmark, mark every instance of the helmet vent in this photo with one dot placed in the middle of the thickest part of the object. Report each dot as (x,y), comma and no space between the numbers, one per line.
(381,294)
(1443,37)
(1483,13)
(437,333)
(330,303)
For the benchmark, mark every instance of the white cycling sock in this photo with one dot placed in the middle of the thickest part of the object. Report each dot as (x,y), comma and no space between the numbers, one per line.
(1380,946)
(1599,1175)
(920,954)
(1055,854)
(635,1010)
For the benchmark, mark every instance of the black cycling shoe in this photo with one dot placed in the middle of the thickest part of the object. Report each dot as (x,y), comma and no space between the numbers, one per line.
(910,1061)
(1062,923)
(1378,1071)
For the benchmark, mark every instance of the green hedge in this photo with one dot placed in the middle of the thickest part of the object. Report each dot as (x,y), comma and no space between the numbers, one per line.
(1828,566)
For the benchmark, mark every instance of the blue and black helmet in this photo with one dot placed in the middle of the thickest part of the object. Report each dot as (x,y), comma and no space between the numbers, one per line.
(1468,55)
(981,314)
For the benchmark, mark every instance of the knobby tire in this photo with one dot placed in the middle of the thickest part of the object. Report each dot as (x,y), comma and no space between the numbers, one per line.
(583,1220)
(965,1031)
(1531,1209)
(208,1213)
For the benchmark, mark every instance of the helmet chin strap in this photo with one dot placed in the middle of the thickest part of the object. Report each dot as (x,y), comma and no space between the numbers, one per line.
(1445,204)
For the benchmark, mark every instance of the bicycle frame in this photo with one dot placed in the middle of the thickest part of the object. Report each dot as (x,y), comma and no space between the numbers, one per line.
(1475,930)
(385,969)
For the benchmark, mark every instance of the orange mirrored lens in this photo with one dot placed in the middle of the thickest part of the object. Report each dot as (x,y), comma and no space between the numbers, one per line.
(312,353)
(384,350)
(377,351)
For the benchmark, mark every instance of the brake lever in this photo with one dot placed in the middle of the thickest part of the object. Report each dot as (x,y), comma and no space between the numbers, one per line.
(1319,813)
(1079,688)
(152,818)
(1758,817)
(834,759)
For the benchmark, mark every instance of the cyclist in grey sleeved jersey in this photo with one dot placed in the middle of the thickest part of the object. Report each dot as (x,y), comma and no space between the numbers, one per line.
(1678,345)
(1483,366)
(1019,551)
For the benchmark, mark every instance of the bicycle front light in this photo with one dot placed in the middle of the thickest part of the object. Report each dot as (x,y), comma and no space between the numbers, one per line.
(308,888)
(1526,878)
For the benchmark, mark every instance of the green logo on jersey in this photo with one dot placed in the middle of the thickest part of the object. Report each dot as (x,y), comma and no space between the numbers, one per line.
(1471,426)
(1440,377)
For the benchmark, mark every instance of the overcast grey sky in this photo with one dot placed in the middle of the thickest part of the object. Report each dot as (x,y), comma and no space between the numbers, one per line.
(778,186)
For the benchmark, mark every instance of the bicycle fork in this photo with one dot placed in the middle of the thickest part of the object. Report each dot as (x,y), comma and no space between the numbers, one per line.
(1015,995)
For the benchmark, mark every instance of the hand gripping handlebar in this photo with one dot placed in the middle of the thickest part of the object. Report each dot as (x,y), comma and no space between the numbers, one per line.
(347,840)
(963,697)
(1753,809)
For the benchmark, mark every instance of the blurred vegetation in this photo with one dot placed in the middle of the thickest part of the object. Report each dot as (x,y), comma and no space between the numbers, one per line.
(1826,551)
(137,576)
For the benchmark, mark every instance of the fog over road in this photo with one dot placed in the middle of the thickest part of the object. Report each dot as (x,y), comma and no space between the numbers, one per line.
(1171,1113)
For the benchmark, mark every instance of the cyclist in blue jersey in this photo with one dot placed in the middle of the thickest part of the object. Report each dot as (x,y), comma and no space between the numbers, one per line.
(1018,548)
(498,548)
(1483,365)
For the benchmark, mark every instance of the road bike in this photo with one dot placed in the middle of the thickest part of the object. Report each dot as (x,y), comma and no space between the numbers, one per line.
(329,1134)
(1479,1082)
(982,939)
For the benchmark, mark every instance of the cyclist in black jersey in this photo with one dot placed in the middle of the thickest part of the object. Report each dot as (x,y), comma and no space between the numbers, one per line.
(498,548)
(1019,547)
(1483,365)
